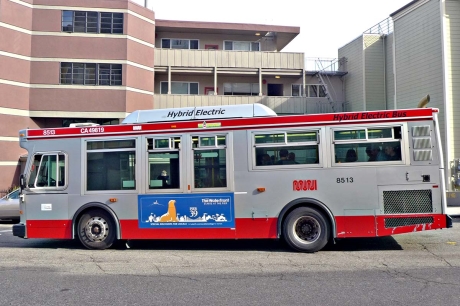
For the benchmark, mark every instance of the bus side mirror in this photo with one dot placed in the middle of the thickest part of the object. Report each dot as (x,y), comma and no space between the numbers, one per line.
(22,182)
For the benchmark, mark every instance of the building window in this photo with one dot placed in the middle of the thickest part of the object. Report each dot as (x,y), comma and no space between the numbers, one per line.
(112,23)
(241,89)
(92,22)
(241,45)
(109,74)
(91,74)
(180,88)
(316,91)
(68,121)
(297,90)
(168,43)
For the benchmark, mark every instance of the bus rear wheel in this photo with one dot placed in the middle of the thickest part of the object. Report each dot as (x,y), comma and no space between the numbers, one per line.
(306,229)
(96,229)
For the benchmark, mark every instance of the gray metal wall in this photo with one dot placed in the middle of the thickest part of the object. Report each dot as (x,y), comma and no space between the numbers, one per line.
(374,71)
(353,52)
(452,65)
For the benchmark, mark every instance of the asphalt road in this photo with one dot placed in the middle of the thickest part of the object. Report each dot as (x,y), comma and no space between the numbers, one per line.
(408,269)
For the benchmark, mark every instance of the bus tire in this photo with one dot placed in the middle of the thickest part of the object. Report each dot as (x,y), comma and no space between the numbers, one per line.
(96,229)
(306,229)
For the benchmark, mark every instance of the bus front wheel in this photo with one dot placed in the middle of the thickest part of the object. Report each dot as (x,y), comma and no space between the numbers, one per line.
(306,229)
(96,229)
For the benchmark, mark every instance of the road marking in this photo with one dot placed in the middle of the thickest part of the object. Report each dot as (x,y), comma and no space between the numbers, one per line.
(6,231)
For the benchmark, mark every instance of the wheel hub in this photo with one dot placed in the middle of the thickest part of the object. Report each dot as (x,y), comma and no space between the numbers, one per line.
(96,229)
(307,229)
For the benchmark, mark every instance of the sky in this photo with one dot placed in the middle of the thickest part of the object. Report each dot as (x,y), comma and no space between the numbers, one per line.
(325,25)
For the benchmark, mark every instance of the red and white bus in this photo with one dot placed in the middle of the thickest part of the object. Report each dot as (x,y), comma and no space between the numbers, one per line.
(235,172)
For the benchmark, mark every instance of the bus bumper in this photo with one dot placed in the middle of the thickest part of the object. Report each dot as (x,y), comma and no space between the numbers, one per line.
(448,221)
(19,230)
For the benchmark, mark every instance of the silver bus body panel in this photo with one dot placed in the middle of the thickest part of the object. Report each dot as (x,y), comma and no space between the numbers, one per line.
(344,189)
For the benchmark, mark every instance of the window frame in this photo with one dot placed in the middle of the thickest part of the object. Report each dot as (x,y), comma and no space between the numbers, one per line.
(228,159)
(84,168)
(320,92)
(188,87)
(367,141)
(86,69)
(170,148)
(251,44)
(49,153)
(251,85)
(300,90)
(98,25)
(186,39)
(285,144)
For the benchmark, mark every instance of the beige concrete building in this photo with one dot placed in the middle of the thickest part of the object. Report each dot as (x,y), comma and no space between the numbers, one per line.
(70,61)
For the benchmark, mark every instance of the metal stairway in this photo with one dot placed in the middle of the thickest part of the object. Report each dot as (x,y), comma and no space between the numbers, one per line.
(321,75)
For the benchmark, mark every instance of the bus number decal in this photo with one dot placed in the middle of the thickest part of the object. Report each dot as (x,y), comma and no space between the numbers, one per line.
(344,180)
(304,185)
(49,132)
(98,129)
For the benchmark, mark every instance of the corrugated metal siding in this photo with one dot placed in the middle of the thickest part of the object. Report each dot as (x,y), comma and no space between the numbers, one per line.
(374,73)
(452,63)
(389,72)
(419,58)
(353,80)
(227,59)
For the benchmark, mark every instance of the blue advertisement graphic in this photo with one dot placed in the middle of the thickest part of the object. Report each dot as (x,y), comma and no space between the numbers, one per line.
(213,210)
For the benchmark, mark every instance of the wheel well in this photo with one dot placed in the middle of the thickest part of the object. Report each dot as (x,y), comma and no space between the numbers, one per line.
(91,206)
(307,202)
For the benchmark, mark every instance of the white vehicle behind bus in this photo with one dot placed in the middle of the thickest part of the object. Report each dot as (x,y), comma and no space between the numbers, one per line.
(235,172)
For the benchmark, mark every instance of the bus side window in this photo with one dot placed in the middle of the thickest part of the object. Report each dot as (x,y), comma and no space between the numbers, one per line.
(164,163)
(286,148)
(210,161)
(110,165)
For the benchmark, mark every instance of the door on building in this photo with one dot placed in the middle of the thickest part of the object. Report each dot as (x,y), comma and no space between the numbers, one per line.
(275,90)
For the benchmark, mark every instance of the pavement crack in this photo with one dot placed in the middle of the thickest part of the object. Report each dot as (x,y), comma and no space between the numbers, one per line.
(435,255)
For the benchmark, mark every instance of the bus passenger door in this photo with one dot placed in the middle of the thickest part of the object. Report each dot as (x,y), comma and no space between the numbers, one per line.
(190,183)
(45,202)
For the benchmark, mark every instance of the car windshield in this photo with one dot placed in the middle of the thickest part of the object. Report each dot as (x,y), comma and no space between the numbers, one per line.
(12,195)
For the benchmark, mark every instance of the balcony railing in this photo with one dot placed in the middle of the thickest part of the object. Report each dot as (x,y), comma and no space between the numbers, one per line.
(228,59)
(281,105)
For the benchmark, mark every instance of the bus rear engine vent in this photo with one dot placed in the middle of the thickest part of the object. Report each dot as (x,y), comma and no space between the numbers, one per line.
(407,202)
(397,222)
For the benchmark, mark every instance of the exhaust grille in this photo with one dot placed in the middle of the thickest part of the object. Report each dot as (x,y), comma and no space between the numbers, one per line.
(407,202)
(396,222)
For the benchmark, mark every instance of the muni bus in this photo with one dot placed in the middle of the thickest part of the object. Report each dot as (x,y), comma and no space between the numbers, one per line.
(235,172)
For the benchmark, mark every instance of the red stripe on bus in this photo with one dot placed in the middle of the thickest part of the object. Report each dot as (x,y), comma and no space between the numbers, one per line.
(52,229)
(439,221)
(355,226)
(244,228)
(248,228)
(372,226)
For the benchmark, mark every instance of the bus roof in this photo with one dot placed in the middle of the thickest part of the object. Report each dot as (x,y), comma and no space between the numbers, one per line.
(199,113)
(200,125)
